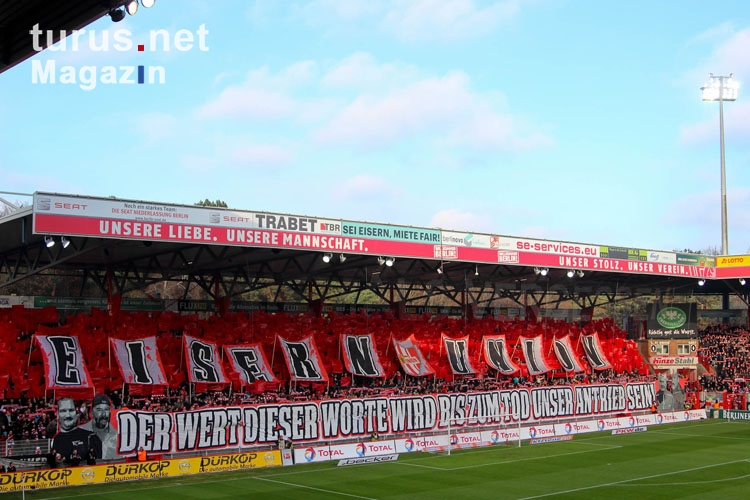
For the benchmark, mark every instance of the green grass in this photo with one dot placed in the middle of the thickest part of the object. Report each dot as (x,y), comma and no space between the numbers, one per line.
(708,459)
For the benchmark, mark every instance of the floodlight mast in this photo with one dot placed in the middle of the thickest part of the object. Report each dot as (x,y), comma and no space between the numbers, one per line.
(721,88)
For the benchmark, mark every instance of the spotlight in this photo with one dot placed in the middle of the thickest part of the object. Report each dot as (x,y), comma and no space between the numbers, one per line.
(571,273)
(49,241)
(342,258)
(701,282)
(476,269)
(742,281)
(381,260)
(131,7)
(389,261)
(580,273)
(537,270)
(117,15)
(327,257)
(544,271)
(65,242)
(148,3)
(440,269)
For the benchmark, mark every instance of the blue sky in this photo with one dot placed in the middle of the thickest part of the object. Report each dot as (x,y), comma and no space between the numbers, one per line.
(565,120)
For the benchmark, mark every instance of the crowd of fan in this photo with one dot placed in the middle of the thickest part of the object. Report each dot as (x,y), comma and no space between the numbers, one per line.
(34,419)
(726,349)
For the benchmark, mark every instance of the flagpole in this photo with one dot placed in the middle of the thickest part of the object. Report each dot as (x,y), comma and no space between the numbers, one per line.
(273,351)
(182,352)
(31,348)
(109,358)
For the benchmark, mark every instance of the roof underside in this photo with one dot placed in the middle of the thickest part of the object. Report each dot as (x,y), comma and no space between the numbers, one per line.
(135,265)
(18,17)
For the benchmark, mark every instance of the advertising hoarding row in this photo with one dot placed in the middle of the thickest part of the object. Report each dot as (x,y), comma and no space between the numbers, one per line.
(125,219)
(154,469)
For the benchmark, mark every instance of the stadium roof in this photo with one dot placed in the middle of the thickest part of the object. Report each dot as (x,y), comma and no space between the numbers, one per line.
(18,17)
(470,262)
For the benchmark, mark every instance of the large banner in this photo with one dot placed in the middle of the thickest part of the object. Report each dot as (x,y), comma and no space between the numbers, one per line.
(154,469)
(360,356)
(219,428)
(63,362)
(154,221)
(139,361)
(675,321)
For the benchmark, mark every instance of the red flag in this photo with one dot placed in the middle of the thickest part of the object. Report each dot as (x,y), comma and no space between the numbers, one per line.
(411,358)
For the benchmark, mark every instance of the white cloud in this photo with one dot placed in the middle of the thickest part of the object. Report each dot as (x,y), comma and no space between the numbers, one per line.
(221,76)
(319,12)
(728,56)
(490,130)
(262,95)
(455,219)
(242,102)
(259,155)
(445,107)
(261,11)
(736,125)
(199,164)
(28,180)
(395,102)
(718,32)
(411,19)
(298,73)
(423,104)
(365,187)
(156,126)
(731,56)
(446,19)
(360,70)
